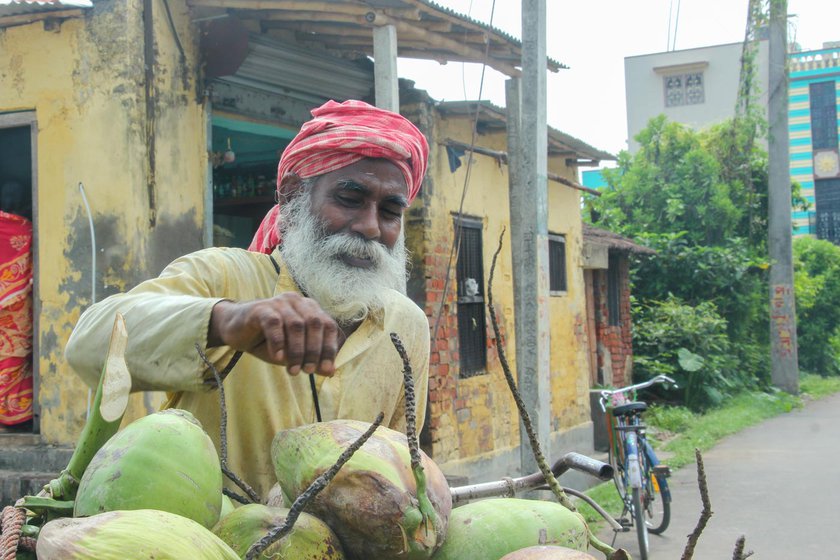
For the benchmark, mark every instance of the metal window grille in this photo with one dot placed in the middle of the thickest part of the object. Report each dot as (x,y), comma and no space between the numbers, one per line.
(684,89)
(556,263)
(827,198)
(823,102)
(472,334)
(614,291)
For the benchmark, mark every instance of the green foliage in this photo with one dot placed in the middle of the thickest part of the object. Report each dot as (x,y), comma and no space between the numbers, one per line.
(817,287)
(699,199)
(690,344)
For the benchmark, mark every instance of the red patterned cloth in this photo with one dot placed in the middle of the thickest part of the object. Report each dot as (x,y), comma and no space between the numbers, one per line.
(15,319)
(340,134)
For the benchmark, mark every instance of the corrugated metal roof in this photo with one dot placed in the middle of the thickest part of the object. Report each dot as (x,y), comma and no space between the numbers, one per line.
(425,29)
(19,7)
(614,241)
(494,117)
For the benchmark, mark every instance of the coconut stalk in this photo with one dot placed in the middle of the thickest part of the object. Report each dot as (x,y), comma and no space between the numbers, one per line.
(244,486)
(106,414)
(423,502)
(309,494)
(705,514)
(550,479)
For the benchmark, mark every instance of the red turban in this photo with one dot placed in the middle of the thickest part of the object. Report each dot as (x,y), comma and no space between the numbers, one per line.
(340,134)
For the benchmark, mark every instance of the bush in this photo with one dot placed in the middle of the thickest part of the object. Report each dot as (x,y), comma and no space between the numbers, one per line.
(690,344)
(817,287)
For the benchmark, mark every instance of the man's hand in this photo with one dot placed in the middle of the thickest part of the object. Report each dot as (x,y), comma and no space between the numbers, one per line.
(289,329)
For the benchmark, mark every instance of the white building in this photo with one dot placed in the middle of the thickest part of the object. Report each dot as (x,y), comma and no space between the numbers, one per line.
(697,87)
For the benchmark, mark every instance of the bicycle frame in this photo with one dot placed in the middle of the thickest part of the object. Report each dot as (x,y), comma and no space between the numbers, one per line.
(640,482)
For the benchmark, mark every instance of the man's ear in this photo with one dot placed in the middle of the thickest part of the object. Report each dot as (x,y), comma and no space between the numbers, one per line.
(289,184)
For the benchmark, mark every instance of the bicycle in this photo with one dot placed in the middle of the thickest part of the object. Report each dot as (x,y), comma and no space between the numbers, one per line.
(635,464)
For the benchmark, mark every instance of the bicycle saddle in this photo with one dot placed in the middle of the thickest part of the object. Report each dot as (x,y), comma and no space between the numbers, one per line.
(629,408)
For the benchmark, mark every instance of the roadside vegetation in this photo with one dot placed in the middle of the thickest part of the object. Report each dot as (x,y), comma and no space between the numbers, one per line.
(676,431)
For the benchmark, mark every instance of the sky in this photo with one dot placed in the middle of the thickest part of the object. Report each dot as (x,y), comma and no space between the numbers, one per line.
(592,38)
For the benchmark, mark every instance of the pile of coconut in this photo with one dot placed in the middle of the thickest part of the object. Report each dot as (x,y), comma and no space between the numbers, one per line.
(350,490)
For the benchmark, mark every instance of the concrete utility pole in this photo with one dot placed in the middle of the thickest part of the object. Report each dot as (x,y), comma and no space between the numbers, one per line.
(528,149)
(783,349)
(385,77)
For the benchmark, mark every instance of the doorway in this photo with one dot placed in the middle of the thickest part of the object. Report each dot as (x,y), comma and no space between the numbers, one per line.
(19,411)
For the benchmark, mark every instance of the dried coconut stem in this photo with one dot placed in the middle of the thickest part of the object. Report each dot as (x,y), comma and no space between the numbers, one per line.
(688,553)
(550,479)
(309,494)
(252,494)
(410,403)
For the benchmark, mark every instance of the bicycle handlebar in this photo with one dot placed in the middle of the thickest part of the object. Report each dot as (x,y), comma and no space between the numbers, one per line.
(605,394)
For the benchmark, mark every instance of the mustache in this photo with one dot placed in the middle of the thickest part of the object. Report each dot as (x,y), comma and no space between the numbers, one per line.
(354,246)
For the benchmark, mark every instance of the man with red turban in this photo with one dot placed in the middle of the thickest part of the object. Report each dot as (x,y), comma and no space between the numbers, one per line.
(310,315)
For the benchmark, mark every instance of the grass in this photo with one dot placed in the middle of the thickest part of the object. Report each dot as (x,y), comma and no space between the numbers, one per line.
(676,431)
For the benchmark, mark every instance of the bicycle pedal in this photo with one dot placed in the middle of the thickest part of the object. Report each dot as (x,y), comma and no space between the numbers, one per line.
(661,471)
(626,525)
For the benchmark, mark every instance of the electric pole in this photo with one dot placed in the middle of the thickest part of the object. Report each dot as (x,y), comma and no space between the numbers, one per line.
(529,228)
(783,349)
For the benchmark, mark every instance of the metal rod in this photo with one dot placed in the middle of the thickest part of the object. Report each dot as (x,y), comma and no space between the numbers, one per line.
(508,487)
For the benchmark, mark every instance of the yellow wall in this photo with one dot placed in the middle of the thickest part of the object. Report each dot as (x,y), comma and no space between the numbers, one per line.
(85,83)
(475,419)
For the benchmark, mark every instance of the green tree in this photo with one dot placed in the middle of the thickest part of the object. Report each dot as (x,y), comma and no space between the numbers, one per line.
(817,287)
(700,200)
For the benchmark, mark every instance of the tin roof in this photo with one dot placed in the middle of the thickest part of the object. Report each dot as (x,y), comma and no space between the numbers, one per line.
(613,241)
(19,7)
(492,117)
(425,29)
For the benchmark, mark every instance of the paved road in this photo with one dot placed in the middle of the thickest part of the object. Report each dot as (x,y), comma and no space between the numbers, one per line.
(777,483)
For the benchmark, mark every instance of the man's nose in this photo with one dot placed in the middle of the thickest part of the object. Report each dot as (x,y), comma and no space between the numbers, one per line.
(366,223)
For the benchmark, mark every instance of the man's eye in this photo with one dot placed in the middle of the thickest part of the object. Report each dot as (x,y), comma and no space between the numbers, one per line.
(348,200)
(393,212)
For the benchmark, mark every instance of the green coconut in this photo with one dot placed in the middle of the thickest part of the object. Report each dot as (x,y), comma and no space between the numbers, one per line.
(547,553)
(489,529)
(130,535)
(310,538)
(164,461)
(372,503)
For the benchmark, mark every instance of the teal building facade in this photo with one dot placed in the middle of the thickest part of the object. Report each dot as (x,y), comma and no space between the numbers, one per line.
(814,96)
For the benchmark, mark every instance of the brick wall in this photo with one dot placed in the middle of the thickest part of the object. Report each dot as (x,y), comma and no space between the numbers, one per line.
(614,342)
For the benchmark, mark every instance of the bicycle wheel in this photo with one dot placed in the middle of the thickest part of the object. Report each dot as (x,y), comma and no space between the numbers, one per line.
(619,476)
(639,522)
(657,508)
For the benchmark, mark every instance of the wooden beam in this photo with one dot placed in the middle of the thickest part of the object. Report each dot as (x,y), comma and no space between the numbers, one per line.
(283,5)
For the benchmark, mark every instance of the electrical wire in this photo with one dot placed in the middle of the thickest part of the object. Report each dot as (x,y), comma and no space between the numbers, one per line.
(93,268)
(455,249)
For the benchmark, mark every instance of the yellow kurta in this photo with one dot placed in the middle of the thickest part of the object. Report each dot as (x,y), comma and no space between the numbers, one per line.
(168,315)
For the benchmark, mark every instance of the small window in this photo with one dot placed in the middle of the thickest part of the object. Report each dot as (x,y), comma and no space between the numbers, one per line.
(614,291)
(684,89)
(556,264)
(472,334)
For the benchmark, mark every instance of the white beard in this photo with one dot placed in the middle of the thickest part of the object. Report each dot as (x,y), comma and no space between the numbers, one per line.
(347,293)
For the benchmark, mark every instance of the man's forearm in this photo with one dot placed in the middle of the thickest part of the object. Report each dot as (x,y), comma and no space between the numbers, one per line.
(162,333)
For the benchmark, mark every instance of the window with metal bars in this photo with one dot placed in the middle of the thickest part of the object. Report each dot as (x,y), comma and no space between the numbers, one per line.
(823,101)
(827,198)
(556,264)
(472,334)
(614,291)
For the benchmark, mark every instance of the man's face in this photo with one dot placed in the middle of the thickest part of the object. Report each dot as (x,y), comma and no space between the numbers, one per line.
(341,237)
(366,199)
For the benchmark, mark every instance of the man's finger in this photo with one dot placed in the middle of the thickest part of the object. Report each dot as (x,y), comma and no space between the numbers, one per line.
(273,329)
(329,349)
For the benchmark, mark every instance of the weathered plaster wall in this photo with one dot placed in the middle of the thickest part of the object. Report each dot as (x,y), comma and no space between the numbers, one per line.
(85,81)
(473,422)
